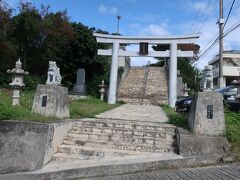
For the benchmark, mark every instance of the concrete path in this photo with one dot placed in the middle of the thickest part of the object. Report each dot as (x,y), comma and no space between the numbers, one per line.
(227,172)
(136,112)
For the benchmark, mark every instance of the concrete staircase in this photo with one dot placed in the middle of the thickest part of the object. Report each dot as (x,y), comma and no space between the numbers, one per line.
(97,138)
(144,85)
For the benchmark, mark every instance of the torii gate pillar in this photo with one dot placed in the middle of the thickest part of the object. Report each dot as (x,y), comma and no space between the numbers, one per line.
(172,95)
(113,74)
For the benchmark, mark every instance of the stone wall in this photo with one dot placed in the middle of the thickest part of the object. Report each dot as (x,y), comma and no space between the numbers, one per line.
(26,146)
(190,144)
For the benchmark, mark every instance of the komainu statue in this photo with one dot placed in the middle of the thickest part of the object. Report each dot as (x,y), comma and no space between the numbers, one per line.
(206,83)
(54,77)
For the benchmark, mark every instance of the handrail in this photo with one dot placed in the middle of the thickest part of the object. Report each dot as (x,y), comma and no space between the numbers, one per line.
(145,83)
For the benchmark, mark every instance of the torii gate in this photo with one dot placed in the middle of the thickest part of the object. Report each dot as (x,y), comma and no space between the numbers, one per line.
(173,53)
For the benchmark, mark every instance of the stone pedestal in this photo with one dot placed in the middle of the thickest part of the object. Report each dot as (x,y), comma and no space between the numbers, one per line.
(207,114)
(51,100)
(16,97)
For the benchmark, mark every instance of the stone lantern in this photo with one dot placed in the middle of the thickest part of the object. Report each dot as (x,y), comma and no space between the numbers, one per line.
(17,82)
(185,90)
(102,87)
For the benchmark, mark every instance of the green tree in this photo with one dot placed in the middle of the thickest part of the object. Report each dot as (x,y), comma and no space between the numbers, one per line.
(39,36)
(28,35)
(190,74)
(8,50)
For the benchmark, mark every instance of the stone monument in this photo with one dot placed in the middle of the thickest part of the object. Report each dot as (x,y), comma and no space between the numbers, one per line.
(17,82)
(79,88)
(206,83)
(180,84)
(207,123)
(207,114)
(52,99)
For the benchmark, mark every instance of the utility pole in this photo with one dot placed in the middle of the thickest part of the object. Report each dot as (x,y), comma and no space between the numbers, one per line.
(221,25)
(118,19)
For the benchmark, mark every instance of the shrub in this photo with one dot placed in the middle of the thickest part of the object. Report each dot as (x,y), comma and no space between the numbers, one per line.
(7,112)
(175,118)
(31,81)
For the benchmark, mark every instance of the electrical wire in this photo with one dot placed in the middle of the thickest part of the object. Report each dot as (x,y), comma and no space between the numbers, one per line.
(229,12)
(216,41)
(196,16)
(208,12)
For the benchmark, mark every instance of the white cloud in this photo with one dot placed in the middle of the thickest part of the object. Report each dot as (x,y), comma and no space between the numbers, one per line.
(150,30)
(200,7)
(154,30)
(107,9)
(140,61)
(148,17)
(12,3)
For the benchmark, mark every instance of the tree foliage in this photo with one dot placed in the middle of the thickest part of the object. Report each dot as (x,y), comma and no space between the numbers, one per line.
(38,36)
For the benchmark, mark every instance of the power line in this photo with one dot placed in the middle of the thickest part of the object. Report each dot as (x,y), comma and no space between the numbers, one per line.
(229,12)
(234,27)
(211,10)
(196,16)
(207,12)
(216,41)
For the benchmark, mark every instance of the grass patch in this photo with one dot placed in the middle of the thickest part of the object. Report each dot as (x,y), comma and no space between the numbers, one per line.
(89,107)
(78,109)
(233,131)
(177,119)
(22,112)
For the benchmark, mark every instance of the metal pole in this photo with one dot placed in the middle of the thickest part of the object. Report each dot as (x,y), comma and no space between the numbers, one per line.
(221,24)
(118,18)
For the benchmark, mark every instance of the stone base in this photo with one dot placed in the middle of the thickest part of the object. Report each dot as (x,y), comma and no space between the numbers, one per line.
(51,100)
(206,115)
(190,144)
(76,97)
(27,146)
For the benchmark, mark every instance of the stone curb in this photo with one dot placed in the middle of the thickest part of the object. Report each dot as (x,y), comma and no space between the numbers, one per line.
(115,169)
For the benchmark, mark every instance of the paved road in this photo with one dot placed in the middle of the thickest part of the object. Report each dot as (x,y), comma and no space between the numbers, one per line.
(228,172)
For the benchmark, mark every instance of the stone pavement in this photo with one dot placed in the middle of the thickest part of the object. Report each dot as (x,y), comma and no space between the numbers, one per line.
(227,172)
(136,112)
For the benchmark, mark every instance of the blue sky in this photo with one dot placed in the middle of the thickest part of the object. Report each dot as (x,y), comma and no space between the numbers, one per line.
(152,17)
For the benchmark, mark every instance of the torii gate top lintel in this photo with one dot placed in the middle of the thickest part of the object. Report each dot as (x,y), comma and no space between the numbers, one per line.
(183,39)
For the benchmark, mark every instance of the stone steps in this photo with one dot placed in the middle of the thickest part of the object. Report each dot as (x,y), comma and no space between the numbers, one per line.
(163,139)
(149,131)
(83,152)
(140,147)
(132,89)
(97,138)
(128,124)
